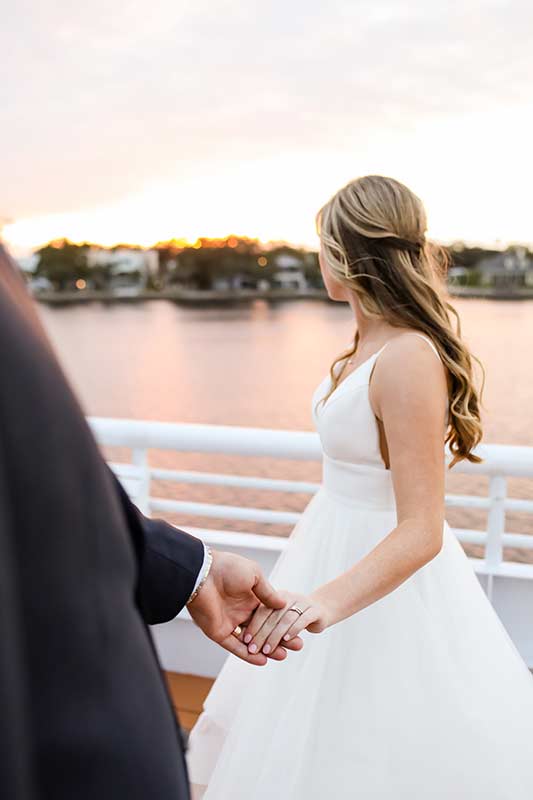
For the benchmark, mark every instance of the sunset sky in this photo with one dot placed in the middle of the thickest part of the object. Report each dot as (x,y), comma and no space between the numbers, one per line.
(137,122)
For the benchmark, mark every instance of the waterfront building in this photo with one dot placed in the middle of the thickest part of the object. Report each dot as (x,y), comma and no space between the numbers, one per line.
(513,268)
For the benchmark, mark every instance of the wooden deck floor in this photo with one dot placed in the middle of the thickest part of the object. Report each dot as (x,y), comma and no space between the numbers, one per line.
(188,694)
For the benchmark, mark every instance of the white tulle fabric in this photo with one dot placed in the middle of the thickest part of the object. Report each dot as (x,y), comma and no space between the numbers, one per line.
(420,696)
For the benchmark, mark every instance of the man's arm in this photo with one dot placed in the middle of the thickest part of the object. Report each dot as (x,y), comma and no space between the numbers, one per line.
(172,564)
(16,745)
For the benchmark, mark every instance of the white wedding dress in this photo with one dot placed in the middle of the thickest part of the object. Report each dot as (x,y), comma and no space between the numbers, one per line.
(420,696)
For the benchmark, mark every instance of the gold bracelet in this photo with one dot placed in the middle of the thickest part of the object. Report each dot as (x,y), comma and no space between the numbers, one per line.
(206,573)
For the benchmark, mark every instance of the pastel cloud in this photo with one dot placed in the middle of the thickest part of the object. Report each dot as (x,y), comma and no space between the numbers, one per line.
(246,115)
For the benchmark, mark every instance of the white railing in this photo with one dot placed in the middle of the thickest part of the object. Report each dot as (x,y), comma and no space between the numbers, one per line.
(509,584)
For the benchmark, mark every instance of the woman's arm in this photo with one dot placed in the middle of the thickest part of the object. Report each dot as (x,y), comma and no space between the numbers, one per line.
(409,394)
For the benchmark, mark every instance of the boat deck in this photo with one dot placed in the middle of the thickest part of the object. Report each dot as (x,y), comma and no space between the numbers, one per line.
(251,505)
(188,693)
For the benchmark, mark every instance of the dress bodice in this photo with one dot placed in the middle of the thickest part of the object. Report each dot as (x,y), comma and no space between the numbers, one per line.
(353,466)
(345,423)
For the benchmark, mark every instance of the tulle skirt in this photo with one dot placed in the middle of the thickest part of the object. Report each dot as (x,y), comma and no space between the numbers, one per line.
(420,696)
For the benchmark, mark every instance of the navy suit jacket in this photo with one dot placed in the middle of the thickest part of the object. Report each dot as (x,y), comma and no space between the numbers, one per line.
(84,709)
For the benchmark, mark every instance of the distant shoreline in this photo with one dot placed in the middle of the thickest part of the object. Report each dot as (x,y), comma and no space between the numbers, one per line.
(199,297)
(491,293)
(195,297)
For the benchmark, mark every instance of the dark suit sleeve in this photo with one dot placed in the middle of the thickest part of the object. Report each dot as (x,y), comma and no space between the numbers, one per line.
(169,562)
(16,750)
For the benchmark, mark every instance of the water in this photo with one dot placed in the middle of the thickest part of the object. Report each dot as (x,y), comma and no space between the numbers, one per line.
(257,364)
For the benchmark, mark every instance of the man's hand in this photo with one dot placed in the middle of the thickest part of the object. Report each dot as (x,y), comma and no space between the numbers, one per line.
(234,588)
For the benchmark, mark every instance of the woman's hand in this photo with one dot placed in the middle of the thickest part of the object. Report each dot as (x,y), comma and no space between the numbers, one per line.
(268,628)
(234,589)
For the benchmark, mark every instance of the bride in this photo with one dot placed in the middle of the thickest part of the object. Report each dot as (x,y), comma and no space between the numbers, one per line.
(413,689)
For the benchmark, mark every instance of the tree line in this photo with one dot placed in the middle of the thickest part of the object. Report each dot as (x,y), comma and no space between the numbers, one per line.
(197,265)
(202,264)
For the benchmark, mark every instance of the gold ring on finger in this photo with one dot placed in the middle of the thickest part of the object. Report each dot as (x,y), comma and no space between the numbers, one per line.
(237,631)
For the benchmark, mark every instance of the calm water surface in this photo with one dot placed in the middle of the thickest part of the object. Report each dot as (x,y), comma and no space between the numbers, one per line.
(258,365)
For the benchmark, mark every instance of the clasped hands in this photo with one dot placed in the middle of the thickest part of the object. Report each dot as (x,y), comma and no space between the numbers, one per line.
(269,628)
(237,594)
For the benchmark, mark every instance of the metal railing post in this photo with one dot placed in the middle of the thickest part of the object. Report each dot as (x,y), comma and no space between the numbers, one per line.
(495,529)
(140,460)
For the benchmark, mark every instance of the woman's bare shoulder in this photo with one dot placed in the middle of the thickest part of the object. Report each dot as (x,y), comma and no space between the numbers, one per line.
(408,369)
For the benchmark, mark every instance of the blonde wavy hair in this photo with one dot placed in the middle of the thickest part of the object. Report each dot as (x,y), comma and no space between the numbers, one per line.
(372,233)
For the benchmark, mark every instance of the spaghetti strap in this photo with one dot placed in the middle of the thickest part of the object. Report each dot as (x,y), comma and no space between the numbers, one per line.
(412,333)
(428,340)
